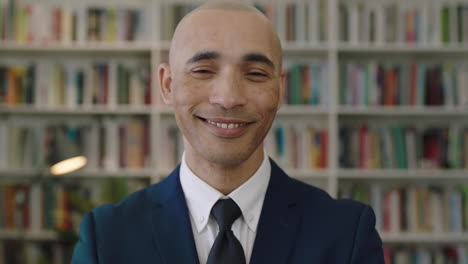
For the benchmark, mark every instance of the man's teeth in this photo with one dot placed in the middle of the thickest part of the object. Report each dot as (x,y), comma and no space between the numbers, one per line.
(224,125)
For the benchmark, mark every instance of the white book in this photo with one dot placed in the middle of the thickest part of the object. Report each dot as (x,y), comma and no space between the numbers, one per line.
(281,22)
(424,34)
(4,124)
(70,87)
(35,207)
(91,148)
(436,211)
(313,21)
(111,155)
(436,20)
(411,210)
(380,27)
(66,27)
(395,211)
(299,19)
(376,203)
(112,84)
(353,26)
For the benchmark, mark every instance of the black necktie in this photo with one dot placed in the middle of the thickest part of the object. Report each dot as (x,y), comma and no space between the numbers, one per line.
(226,248)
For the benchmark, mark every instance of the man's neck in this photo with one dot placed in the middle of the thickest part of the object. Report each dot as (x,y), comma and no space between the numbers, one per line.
(225,179)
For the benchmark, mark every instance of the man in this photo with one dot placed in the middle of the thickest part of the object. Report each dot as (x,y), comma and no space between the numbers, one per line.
(227,202)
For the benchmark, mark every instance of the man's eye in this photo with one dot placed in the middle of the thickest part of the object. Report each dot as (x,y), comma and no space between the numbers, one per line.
(259,74)
(202,71)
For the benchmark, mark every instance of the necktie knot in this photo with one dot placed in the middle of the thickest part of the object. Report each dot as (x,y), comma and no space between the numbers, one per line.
(225,212)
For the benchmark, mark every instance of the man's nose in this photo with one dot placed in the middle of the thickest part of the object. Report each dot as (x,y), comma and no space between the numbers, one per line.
(228,91)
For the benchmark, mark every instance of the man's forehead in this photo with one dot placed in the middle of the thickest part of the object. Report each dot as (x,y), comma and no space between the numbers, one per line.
(237,34)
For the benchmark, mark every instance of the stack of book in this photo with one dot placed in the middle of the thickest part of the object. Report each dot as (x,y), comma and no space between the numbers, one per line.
(39,23)
(425,254)
(419,83)
(411,22)
(414,208)
(298,146)
(74,83)
(400,147)
(307,84)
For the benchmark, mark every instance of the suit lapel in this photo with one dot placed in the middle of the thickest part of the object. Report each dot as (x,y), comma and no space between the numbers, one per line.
(172,230)
(279,221)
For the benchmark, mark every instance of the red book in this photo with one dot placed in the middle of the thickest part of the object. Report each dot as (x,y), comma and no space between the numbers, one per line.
(363,141)
(306,84)
(413,83)
(386,212)
(323,149)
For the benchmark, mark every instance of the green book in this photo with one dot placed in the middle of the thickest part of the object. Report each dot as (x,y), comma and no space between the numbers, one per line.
(445,24)
(296,85)
(399,141)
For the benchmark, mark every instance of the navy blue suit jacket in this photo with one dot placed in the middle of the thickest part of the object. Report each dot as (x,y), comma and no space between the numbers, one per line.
(298,224)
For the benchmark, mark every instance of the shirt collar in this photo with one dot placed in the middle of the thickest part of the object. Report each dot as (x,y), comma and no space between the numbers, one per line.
(249,196)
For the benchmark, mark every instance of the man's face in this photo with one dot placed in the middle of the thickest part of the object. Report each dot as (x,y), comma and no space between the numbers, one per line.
(224,84)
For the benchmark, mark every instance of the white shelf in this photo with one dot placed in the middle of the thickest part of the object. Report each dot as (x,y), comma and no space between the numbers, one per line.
(285,110)
(78,110)
(302,110)
(401,48)
(288,47)
(99,47)
(118,173)
(308,174)
(402,111)
(439,238)
(402,174)
(85,173)
(27,235)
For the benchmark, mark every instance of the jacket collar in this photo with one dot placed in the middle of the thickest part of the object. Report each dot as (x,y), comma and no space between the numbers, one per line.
(276,232)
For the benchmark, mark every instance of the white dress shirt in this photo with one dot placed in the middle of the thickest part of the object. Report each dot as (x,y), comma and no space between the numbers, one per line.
(201,197)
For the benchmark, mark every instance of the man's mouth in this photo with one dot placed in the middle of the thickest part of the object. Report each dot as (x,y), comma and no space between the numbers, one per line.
(224,127)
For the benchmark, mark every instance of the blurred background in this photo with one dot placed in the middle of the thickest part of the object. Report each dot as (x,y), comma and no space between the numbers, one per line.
(376,110)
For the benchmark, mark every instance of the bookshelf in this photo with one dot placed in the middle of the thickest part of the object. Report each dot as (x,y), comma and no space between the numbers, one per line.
(337,33)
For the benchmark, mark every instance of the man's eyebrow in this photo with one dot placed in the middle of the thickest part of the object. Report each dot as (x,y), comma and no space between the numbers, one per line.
(204,55)
(258,57)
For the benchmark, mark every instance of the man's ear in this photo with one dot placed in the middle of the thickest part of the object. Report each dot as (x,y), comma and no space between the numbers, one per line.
(282,89)
(165,80)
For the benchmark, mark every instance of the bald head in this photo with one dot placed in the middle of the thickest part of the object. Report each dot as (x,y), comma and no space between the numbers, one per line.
(213,11)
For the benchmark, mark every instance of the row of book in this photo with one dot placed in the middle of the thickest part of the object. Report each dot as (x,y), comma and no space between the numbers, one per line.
(57,206)
(108,144)
(403,147)
(290,145)
(407,83)
(298,146)
(34,252)
(449,254)
(295,21)
(29,22)
(75,83)
(307,84)
(415,208)
(410,22)
(298,21)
